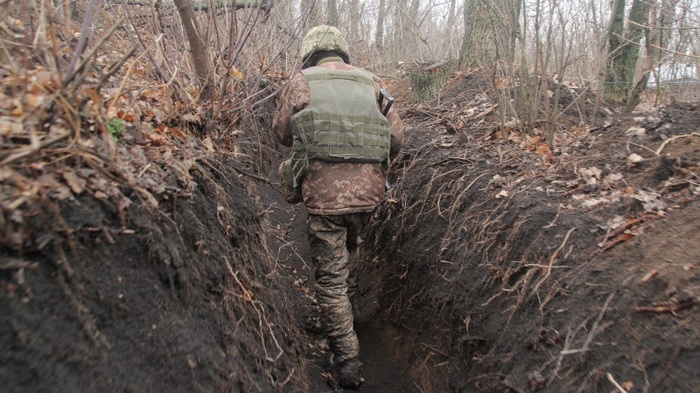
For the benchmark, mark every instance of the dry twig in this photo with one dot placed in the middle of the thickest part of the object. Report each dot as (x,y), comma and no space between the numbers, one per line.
(551,261)
(667,141)
(617,386)
(16,264)
(672,306)
(585,347)
(34,148)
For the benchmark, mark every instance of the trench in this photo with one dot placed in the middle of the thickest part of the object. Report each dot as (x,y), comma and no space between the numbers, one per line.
(387,351)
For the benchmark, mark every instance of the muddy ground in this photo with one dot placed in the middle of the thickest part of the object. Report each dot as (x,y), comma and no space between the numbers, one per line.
(494,264)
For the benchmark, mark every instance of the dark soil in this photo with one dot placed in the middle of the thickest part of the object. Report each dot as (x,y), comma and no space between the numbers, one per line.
(495,263)
(526,269)
(179,298)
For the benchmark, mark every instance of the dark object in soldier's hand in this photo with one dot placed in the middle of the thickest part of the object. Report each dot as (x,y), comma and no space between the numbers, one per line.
(383,94)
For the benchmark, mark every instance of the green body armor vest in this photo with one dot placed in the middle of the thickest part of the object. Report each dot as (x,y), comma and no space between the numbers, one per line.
(342,121)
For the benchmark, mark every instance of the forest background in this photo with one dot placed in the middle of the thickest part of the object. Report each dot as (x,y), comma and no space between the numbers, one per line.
(617,48)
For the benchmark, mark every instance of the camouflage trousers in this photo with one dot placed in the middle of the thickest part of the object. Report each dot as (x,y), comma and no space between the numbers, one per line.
(334,242)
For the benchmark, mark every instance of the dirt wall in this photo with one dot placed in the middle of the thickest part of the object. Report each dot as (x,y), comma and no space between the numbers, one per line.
(183,297)
(521,270)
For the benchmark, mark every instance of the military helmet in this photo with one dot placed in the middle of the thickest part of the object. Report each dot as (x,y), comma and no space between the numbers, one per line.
(324,38)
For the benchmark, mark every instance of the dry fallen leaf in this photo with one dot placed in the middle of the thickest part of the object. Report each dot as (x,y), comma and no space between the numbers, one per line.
(542,149)
(47,181)
(155,139)
(651,201)
(590,175)
(33,101)
(236,73)
(76,184)
(593,202)
(636,131)
(635,158)
(61,193)
(614,177)
(208,144)
(616,222)
(8,126)
(191,118)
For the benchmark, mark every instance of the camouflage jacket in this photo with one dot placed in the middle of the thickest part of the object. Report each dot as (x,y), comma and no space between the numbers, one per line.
(332,188)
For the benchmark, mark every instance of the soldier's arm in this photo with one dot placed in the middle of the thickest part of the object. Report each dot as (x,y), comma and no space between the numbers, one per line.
(395,123)
(293,98)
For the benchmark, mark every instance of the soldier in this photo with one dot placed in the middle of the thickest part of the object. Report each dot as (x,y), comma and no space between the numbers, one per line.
(343,131)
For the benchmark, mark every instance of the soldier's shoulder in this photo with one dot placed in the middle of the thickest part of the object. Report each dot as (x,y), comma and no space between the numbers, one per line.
(296,78)
(296,82)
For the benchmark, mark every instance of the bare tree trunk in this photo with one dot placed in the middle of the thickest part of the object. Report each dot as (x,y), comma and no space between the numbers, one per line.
(667,21)
(613,78)
(400,16)
(355,32)
(73,10)
(639,19)
(411,34)
(490,28)
(451,18)
(657,39)
(696,57)
(379,32)
(311,13)
(653,39)
(415,7)
(332,13)
(411,28)
(200,51)
(452,15)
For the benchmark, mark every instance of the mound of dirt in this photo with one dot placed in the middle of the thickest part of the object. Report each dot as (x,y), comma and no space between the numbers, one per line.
(521,268)
(146,272)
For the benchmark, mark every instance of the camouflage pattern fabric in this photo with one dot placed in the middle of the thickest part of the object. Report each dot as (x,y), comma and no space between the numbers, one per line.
(339,198)
(334,242)
(332,188)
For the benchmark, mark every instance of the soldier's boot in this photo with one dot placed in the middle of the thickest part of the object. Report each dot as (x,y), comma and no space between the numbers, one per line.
(347,373)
